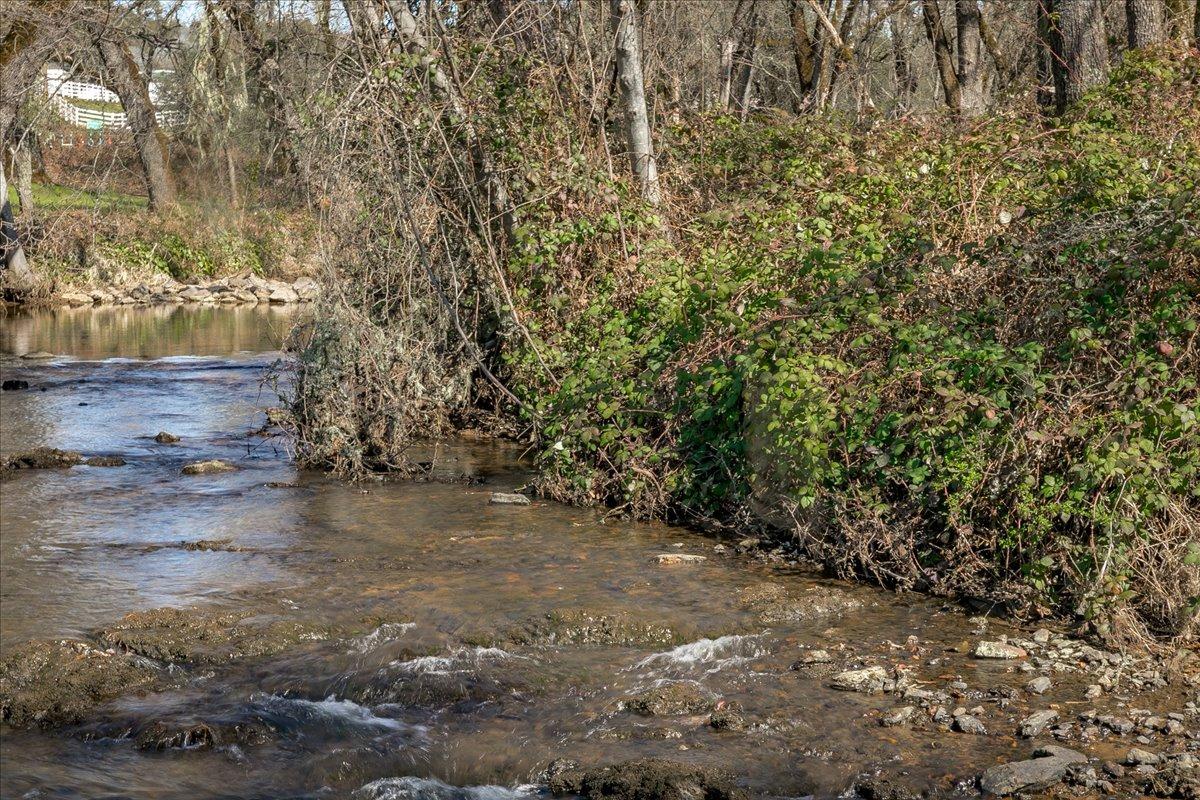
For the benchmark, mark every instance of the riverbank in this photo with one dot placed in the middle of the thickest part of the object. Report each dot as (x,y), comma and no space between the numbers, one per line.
(959,359)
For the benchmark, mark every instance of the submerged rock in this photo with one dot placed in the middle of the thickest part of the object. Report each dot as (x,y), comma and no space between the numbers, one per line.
(643,779)
(104,461)
(1048,766)
(581,626)
(211,467)
(868,681)
(509,499)
(211,546)
(41,458)
(166,438)
(14,385)
(203,637)
(775,604)
(55,683)
(679,558)
(998,650)
(161,735)
(671,699)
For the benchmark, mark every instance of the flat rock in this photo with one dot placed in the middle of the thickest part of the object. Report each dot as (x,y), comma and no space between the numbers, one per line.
(509,499)
(868,681)
(776,604)
(38,355)
(1039,685)
(899,716)
(211,467)
(998,650)
(1048,766)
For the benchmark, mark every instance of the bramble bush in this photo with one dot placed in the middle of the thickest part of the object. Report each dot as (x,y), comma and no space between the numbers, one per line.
(962,360)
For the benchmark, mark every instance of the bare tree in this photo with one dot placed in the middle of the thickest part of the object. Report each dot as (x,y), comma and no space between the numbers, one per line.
(131,87)
(627,39)
(906,75)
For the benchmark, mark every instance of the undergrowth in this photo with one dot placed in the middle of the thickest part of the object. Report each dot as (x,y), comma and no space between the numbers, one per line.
(959,360)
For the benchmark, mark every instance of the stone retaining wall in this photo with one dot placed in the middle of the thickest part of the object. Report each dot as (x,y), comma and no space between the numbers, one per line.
(238,290)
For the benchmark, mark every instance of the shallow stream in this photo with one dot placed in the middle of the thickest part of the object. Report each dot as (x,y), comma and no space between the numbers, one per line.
(444,641)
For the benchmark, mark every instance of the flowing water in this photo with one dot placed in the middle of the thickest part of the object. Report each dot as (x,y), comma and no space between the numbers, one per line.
(453,644)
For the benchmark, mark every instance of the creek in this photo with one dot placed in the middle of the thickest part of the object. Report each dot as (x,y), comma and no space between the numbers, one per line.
(413,640)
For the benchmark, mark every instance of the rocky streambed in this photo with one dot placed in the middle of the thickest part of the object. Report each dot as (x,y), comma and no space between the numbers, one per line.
(262,632)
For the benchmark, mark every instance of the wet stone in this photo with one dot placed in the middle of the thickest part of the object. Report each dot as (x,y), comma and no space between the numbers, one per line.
(870,680)
(679,558)
(1036,723)
(49,684)
(166,438)
(161,735)
(508,499)
(576,626)
(104,461)
(14,385)
(643,779)
(1048,766)
(775,604)
(1039,685)
(203,637)
(998,650)
(966,723)
(727,718)
(671,699)
(900,716)
(42,458)
(213,466)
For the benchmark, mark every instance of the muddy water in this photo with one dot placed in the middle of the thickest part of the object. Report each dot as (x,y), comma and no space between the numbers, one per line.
(448,639)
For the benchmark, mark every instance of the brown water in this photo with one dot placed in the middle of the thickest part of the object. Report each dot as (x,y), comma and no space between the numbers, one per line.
(414,576)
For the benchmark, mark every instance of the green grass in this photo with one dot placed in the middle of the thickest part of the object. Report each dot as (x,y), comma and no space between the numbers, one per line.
(53,197)
(96,105)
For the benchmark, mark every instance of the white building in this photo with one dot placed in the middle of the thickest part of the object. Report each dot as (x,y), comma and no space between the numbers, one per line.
(61,88)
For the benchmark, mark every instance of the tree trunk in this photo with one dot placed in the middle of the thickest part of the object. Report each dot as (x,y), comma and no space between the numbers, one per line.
(22,157)
(1044,53)
(1080,52)
(151,143)
(906,77)
(803,52)
(743,59)
(943,54)
(1145,22)
(628,42)
(16,272)
(970,57)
